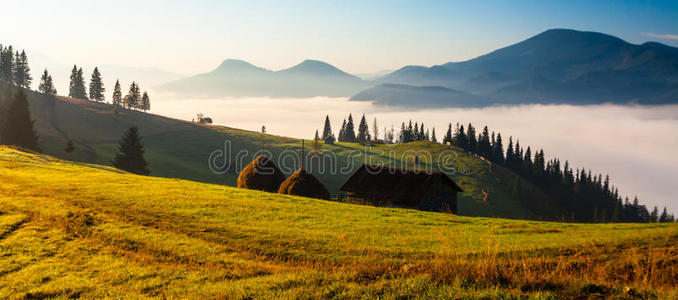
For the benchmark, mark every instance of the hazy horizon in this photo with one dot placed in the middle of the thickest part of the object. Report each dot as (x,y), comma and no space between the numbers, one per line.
(194,37)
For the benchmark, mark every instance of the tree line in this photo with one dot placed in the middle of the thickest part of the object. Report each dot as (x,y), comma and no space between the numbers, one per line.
(14,70)
(583,195)
(17,127)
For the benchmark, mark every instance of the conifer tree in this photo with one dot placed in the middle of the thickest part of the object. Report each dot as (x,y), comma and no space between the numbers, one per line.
(433,135)
(17,126)
(77,85)
(342,132)
(145,102)
(7,64)
(327,129)
(22,72)
(117,94)
(448,135)
(472,140)
(363,131)
(133,98)
(349,135)
(47,84)
(498,149)
(96,87)
(130,155)
(664,216)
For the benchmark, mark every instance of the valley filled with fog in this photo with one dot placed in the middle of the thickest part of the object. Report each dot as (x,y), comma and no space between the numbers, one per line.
(635,145)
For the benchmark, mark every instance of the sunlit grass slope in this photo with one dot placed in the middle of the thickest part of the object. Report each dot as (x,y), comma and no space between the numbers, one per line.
(70,229)
(180,149)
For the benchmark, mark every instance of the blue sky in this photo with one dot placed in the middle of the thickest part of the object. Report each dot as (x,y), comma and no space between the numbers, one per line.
(358,36)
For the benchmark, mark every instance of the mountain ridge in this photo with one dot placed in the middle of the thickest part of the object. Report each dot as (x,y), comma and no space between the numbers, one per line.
(584,68)
(235,77)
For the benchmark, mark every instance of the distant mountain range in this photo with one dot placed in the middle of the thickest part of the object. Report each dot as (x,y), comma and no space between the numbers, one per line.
(235,78)
(556,66)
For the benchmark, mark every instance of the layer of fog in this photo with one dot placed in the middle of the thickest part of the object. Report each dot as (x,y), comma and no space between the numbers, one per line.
(636,145)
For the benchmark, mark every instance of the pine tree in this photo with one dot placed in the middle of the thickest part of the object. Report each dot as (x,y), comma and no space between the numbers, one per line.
(17,127)
(317,136)
(47,84)
(664,216)
(22,72)
(327,129)
(77,85)
(7,64)
(433,135)
(342,132)
(484,146)
(117,94)
(363,131)
(349,135)
(130,155)
(654,215)
(96,87)
(472,140)
(498,149)
(145,102)
(133,98)
(448,135)
(510,154)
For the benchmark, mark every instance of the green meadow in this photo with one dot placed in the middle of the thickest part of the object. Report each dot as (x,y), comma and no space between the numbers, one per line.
(70,229)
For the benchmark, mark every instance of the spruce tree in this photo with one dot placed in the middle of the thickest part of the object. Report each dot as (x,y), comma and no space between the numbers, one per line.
(448,135)
(145,102)
(117,94)
(17,127)
(342,132)
(327,129)
(77,85)
(22,72)
(96,87)
(375,129)
(363,131)
(130,155)
(433,135)
(664,216)
(349,135)
(498,150)
(472,144)
(7,65)
(47,84)
(133,98)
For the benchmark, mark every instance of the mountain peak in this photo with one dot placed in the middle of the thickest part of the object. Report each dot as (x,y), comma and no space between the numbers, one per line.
(315,67)
(237,65)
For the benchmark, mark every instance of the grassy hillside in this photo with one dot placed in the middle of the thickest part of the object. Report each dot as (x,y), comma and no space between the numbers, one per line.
(78,230)
(180,149)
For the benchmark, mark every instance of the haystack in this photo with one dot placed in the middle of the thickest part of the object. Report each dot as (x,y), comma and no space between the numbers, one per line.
(301,183)
(261,174)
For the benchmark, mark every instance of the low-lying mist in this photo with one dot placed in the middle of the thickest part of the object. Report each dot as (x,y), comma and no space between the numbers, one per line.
(635,145)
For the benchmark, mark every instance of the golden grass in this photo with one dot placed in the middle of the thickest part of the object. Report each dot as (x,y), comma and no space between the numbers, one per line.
(69,230)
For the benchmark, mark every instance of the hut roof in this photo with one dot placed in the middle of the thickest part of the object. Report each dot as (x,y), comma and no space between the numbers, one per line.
(394,182)
(301,183)
(261,174)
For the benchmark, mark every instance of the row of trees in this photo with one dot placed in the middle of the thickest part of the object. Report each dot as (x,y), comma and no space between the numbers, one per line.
(14,67)
(14,70)
(580,193)
(133,100)
(586,197)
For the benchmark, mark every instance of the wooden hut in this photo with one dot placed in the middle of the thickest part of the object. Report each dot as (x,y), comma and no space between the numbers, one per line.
(386,186)
(261,174)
